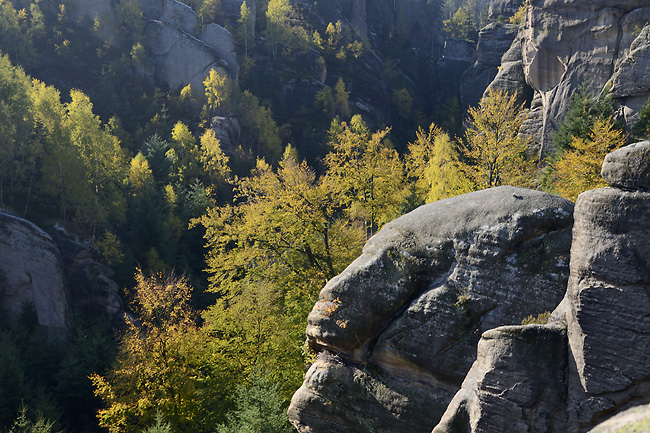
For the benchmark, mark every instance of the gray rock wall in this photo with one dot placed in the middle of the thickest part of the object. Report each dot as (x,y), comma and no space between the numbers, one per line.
(593,360)
(407,315)
(562,45)
(31,275)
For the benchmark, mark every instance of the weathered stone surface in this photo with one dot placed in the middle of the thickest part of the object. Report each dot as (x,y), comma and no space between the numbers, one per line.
(607,300)
(458,55)
(30,274)
(502,9)
(180,58)
(494,41)
(598,43)
(223,44)
(634,420)
(628,167)
(342,397)
(181,54)
(605,312)
(414,305)
(517,384)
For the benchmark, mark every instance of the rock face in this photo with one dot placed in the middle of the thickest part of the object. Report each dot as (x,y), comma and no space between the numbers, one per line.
(404,319)
(494,41)
(53,274)
(31,274)
(600,43)
(608,295)
(600,365)
(636,419)
(181,53)
(517,383)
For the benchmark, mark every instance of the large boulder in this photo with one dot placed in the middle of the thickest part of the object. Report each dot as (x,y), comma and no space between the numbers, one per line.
(606,305)
(408,313)
(31,275)
(181,53)
(593,360)
(517,384)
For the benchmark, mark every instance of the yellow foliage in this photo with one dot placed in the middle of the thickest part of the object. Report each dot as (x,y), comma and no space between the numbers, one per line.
(519,16)
(578,169)
(213,160)
(434,163)
(496,153)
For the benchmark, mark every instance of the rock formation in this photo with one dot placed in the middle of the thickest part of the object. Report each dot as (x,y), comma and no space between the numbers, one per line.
(494,40)
(636,419)
(55,275)
(592,360)
(181,52)
(31,274)
(397,330)
(602,45)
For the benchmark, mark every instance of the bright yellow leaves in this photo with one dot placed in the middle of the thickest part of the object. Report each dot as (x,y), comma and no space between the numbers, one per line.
(496,153)
(578,169)
(162,365)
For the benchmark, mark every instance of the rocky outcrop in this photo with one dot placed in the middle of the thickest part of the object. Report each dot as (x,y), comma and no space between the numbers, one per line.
(634,420)
(92,290)
(31,275)
(53,274)
(181,53)
(458,55)
(404,319)
(494,40)
(606,305)
(593,360)
(517,384)
(598,43)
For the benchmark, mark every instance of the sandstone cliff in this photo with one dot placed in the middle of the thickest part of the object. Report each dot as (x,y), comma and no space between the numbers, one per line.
(592,360)
(53,274)
(181,52)
(602,44)
(397,330)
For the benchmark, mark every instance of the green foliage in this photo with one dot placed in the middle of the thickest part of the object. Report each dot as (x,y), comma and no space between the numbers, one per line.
(282,32)
(23,425)
(163,365)
(519,16)
(642,126)
(159,426)
(583,112)
(577,169)
(434,166)
(462,25)
(260,408)
(365,173)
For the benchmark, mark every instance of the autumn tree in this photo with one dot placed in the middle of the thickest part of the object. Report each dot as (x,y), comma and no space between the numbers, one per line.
(214,162)
(578,168)
(496,154)
(184,154)
(103,161)
(365,172)
(281,31)
(162,365)
(246,23)
(269,254)
(434,166)
(217,90)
